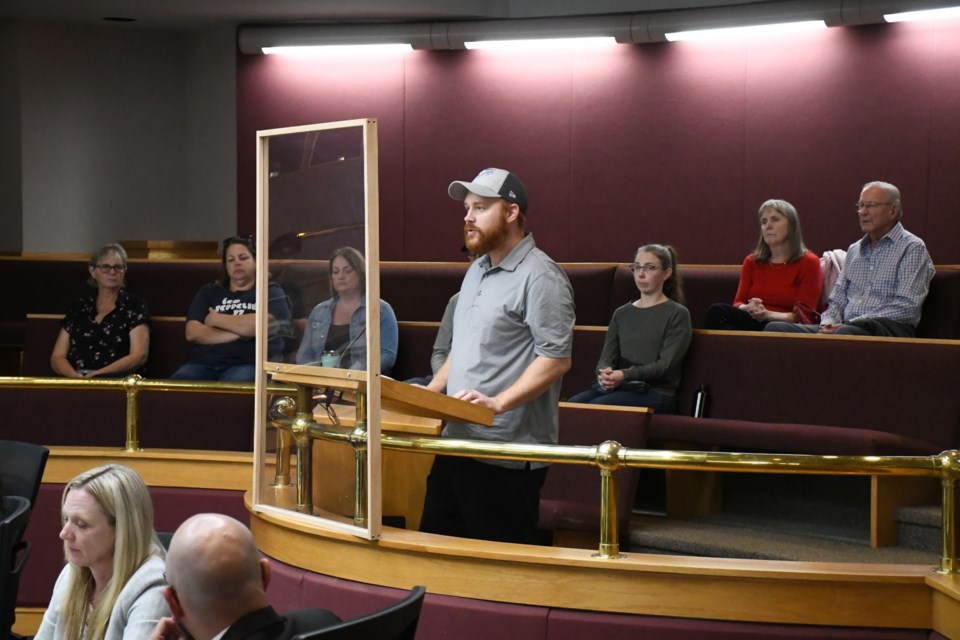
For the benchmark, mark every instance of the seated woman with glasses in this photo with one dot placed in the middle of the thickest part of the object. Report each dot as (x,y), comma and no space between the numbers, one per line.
(105,334)
(778,280)
(222,320)
(646,339)
(334,335)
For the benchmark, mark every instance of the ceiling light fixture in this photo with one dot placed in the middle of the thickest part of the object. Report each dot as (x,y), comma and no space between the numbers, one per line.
(926,14)
(737,32)
(332,49)
(536,44)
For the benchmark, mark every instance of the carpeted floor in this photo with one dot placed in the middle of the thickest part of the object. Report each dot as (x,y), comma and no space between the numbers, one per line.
(727,540)
(797,518)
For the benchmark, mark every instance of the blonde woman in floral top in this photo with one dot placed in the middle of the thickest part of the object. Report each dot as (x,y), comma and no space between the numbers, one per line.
(107,333)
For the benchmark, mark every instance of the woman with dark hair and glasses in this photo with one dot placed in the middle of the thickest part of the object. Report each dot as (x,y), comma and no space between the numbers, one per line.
(646,340)
(222,320)
(106,333)
(778,279)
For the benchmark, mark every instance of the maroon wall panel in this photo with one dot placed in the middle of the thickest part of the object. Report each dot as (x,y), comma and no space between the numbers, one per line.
(823,118)
(478,109)
(943,201)
(676,142)
(658,152)
(282,92)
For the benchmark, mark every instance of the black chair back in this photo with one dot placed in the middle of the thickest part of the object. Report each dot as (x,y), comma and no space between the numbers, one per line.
(21,469)
(14,516)
(396,622)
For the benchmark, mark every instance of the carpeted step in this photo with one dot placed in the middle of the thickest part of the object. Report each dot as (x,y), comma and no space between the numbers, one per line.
(920,527)
(710,538)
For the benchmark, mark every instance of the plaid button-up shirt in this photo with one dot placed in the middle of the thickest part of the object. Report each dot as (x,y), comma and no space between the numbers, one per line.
(890,280)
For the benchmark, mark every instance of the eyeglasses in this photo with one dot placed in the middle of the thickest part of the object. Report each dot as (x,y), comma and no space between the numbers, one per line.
(107,268)
(646,268)
(870,205)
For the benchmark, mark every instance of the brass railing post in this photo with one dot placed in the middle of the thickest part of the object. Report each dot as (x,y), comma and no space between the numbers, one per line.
(608,460)
(304,449)
(359,441)
(950,469)
(130,387)
(281,476)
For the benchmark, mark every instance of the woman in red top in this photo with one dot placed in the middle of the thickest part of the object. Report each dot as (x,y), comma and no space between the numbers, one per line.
(777,275)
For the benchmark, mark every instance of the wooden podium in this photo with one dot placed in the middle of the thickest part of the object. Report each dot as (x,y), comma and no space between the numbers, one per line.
(335,467)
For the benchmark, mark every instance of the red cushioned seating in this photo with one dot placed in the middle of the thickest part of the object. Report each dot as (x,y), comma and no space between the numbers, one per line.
(878,396)
(414,350)
(570,499)
(573,625)
(940,316)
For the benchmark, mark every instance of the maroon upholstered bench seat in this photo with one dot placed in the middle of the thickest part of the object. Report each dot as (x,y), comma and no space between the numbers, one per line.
(570,498)
(171,507)
(444,616)
(780,437)
(574,625)
(819,394)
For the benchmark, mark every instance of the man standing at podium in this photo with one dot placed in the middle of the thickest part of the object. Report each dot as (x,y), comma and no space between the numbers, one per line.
(512,339)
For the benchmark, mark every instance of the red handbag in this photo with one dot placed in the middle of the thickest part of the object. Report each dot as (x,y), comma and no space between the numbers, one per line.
(805,315)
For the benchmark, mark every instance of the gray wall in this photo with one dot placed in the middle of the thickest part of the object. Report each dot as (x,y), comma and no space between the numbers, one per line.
(126,134)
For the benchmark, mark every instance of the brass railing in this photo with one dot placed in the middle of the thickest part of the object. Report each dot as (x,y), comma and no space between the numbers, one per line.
(608,456)
(132,386)
(295,418)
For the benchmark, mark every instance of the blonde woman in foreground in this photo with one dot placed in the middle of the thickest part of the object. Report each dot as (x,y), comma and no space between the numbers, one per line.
(112,585)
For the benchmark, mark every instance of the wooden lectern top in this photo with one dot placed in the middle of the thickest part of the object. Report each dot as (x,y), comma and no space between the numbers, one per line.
(395,396)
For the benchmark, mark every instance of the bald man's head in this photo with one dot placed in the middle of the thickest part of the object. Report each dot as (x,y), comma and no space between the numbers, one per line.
(215,570)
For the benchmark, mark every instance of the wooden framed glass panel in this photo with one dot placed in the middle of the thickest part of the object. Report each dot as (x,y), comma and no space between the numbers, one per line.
(317,215)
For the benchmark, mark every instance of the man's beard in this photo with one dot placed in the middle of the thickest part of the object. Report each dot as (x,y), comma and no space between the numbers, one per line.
(482,243)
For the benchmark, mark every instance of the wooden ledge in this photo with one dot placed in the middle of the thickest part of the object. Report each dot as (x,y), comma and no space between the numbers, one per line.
(231,470)
(946,604)
(894,596)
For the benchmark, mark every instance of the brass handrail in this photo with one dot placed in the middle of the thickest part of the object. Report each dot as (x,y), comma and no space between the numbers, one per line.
(132,386)
(609,456)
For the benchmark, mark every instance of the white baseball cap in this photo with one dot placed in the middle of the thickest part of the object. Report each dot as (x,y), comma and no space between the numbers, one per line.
(492,183)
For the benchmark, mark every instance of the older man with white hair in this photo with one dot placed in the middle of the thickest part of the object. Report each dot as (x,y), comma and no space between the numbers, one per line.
(885,279)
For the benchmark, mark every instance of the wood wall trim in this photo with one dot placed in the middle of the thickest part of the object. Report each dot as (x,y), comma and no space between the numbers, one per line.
(720,589)
(946,604)
(232,470)
(28,620)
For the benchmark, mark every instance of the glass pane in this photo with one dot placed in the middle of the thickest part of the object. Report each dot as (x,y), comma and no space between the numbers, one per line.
(315,192)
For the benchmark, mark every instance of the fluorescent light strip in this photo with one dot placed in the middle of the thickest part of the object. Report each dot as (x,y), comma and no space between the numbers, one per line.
(542,43)
(735,32)
(314,50)
(927,14)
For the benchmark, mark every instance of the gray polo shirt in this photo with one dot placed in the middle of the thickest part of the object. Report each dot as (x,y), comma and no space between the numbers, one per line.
(506,316)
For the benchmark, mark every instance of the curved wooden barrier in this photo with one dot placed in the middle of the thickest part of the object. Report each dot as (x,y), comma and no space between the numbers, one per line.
(895,596)
(552,589)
